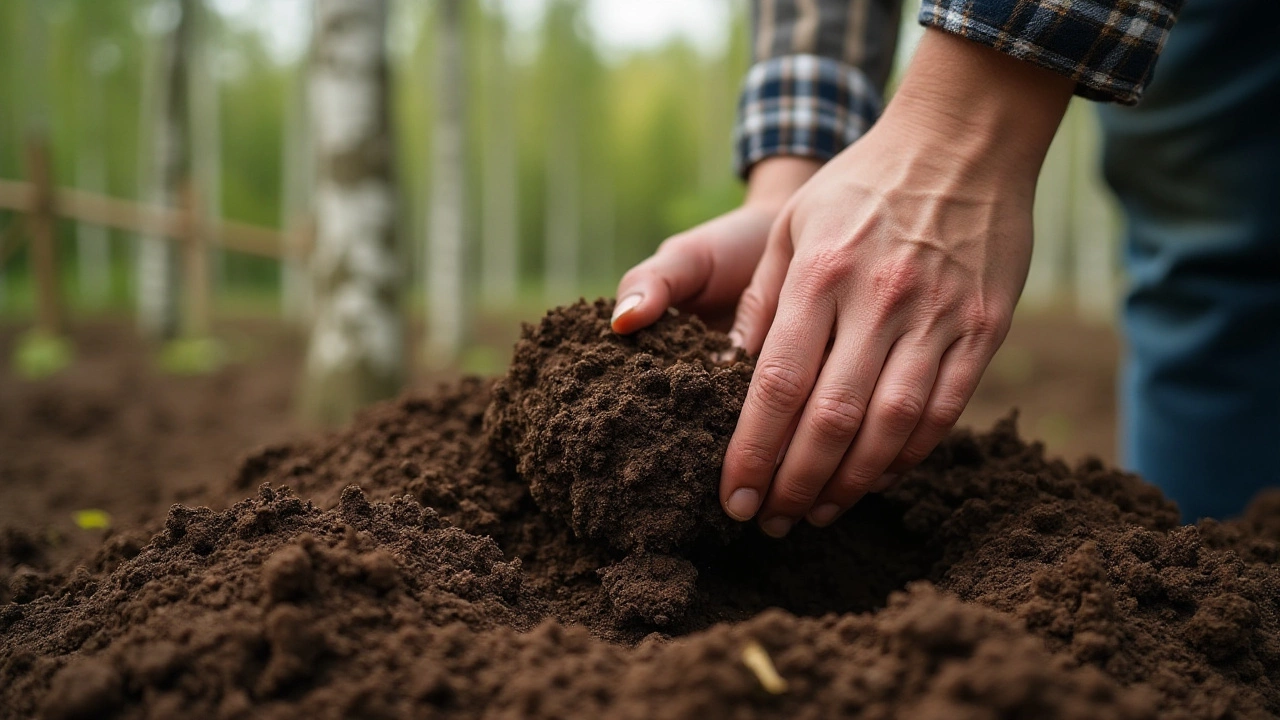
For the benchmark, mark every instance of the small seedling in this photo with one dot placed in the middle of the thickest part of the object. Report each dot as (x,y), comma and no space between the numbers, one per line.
(192,356)
(92,519)
(39,354)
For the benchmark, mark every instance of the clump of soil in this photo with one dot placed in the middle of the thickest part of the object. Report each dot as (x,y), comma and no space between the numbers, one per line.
(621,436)
(993,582)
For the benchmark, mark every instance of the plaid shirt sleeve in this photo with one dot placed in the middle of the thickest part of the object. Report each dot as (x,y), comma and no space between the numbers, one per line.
(820,66)
(1109,47)
(818,77)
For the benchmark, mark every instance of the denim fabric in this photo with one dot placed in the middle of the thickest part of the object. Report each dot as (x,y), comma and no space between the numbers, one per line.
(1196,167)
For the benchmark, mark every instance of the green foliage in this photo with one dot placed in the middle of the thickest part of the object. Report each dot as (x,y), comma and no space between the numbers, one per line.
(653,127)
(39,354)
(192,356)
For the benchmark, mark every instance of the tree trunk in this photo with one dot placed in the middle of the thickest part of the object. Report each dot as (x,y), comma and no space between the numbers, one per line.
(356,353)
(445,300)
(500,269)
(158,259)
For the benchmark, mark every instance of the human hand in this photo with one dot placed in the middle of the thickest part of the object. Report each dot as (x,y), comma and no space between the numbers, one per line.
(887,284)
(704,270)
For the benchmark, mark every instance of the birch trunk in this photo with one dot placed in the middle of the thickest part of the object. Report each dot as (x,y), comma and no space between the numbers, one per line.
(356,352)
(500,268)
(444,290)
(158,259)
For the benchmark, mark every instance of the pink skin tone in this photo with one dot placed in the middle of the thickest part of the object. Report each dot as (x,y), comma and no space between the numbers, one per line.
(875,288)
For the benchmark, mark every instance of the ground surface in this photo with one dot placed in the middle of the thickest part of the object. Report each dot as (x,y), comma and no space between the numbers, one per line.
(409,570)
(116,434)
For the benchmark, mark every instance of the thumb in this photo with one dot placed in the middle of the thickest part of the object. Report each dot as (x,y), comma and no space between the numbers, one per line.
(678,271)
(759,302)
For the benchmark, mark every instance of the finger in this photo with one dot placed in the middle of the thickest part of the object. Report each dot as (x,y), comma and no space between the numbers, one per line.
(958,374)
(679,270)
(759,302)
(783,377)
(830,421)
(892,414)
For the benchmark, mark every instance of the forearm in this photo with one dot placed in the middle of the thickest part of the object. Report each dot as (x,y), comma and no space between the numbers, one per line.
(979,110)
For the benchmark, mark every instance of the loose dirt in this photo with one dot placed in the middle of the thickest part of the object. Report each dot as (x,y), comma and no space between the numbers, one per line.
(514,548)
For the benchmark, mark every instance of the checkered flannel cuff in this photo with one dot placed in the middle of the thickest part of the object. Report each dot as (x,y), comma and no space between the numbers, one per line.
(1109,47)
(804,105)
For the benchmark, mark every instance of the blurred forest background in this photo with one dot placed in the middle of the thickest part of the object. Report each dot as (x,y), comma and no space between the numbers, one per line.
(538,148)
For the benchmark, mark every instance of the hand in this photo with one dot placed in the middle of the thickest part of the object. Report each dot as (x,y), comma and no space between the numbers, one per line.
(704,270)
(887,284)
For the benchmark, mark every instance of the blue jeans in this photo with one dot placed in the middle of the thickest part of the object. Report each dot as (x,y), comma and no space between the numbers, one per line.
(1196,167)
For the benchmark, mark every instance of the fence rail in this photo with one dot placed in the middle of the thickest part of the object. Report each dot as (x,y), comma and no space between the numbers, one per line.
(131,216)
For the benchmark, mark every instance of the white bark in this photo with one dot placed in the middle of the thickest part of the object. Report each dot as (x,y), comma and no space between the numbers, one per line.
(356,353)
(445,231)
(500,204)
(158,260)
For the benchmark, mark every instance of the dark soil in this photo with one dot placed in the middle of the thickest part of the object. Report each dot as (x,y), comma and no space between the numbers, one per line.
(993,582)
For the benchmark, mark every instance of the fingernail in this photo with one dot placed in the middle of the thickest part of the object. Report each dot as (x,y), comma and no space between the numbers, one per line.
(735,337)
(824,514)
(742,504)
(626,305)
(777,528)
(885,482)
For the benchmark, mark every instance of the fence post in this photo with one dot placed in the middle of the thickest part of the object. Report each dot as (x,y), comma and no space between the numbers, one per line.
(44,251)
(195,245)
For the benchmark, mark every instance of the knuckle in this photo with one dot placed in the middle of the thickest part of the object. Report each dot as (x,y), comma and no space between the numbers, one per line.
(780,384)
(944,413)
(913,454)
(751,303)
(753,458)
(895,285)
(834,419)
(826,270)
(857,479)
(794,497)
(901,412)
(985,323)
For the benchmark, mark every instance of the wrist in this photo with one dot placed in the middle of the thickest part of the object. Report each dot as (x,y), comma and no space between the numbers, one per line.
(988,112)
(775,179)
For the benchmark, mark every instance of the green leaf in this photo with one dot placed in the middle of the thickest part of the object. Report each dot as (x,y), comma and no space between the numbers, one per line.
(92,519)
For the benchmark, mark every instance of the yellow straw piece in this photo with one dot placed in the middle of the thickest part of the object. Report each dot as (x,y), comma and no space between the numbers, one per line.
(757,660)
(92,519)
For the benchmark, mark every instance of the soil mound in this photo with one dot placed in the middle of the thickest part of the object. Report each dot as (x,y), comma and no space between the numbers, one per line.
(621,436)
(992,582)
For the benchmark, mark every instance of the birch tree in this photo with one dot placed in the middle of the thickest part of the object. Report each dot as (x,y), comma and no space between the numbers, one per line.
(356,351)
(158,260)
(445,229)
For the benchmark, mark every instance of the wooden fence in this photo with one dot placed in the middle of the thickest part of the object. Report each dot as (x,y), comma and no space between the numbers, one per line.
(43,204)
